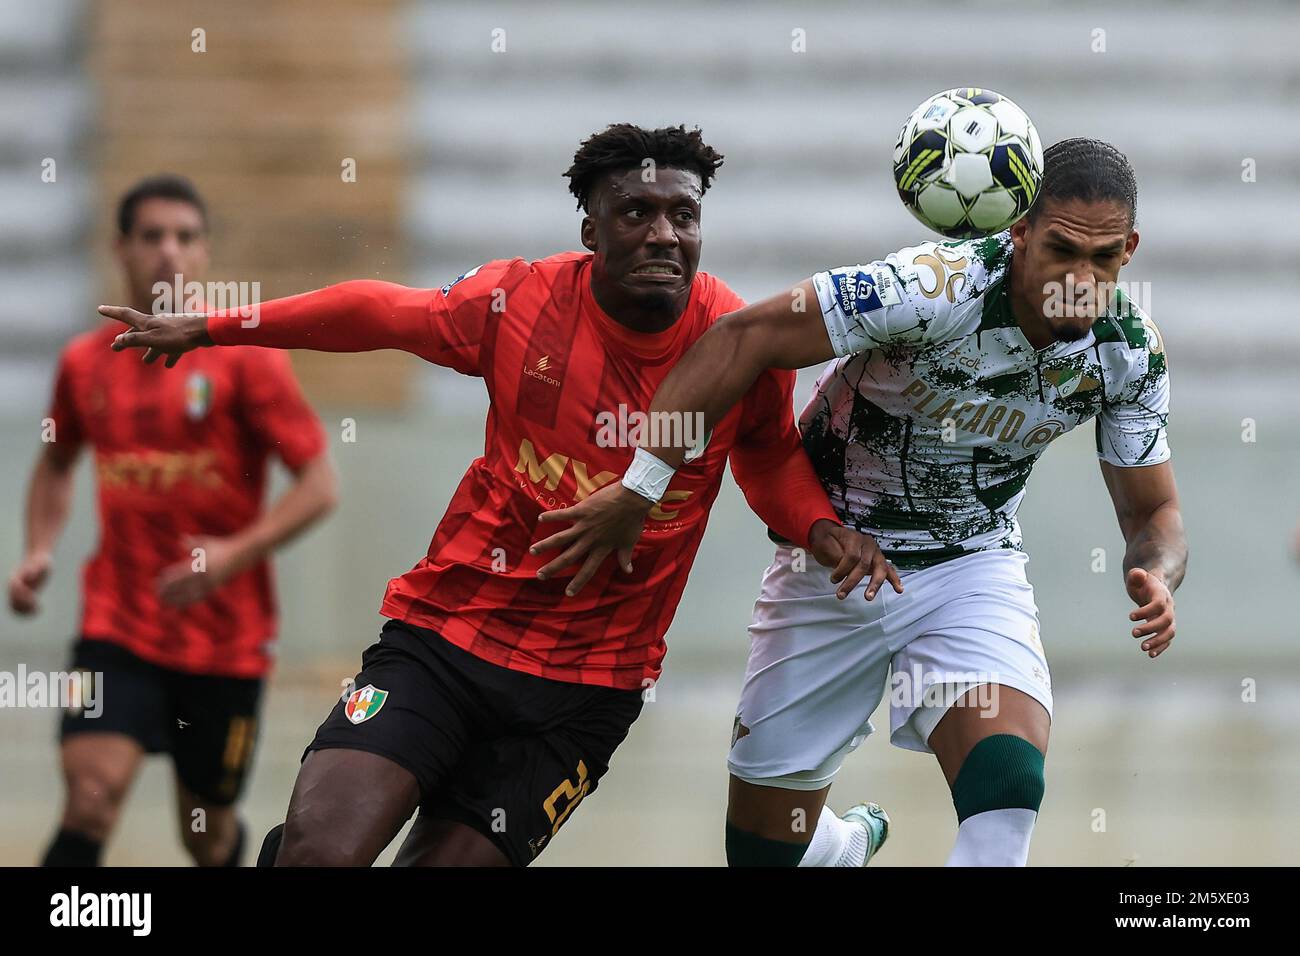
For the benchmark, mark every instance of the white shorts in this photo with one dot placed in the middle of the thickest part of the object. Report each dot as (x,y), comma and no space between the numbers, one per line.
(818,666)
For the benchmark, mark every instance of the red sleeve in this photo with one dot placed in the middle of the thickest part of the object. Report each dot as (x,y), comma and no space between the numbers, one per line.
(274,408)
(443,326)
(769,463)
(63,409)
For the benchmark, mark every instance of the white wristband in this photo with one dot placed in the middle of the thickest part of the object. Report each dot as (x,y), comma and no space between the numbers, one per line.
(647,476)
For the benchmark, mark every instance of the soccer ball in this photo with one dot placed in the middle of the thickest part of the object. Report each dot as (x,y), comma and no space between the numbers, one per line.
(968,163)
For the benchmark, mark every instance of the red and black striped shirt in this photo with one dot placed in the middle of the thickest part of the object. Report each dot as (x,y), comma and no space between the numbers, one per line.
(179,453)
(554,363)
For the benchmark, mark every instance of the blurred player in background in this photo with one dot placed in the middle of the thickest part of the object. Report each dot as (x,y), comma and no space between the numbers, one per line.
(957,363)
(489,702)
(178,611)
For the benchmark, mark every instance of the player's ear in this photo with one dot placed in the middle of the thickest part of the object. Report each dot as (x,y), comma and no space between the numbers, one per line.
(1130,247)
(1019,234)
(589,234)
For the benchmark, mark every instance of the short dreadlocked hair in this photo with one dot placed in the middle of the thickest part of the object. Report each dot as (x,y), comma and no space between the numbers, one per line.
(1087,169)
(624,146)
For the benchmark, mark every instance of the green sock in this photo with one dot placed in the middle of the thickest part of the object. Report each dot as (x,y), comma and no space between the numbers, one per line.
(1001,772)
(748,849)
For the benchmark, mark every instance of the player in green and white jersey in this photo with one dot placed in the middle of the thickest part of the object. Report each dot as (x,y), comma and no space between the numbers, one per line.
(926,430)
(956,365)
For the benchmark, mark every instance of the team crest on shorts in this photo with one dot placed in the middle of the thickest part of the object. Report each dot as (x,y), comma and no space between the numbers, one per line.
(363,703)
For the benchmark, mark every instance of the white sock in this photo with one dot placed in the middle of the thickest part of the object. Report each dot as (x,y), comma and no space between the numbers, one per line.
(836,842)
(994,838)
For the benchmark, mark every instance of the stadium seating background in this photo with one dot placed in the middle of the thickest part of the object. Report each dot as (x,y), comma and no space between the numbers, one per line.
(468,146)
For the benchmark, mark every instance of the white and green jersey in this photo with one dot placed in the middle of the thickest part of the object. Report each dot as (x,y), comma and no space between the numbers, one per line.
(925,430)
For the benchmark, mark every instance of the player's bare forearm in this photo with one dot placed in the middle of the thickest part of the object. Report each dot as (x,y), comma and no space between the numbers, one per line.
(49,499)
(1147,508)
(1154,562)
(785,331)
(313,494)
(1146,504)
(1159,546)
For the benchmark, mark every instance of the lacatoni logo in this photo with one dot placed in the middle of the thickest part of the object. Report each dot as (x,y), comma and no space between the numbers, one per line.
(538,371)
(74,908)
(78,692)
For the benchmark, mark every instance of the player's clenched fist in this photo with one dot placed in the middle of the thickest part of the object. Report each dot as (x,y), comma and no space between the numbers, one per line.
(170,334)
(1155,610)
(853,556)
(26,580)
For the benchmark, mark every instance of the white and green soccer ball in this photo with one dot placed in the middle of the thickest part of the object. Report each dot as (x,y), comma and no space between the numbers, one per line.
(968,163)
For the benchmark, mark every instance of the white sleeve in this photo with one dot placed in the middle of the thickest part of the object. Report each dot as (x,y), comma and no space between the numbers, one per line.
(1131,430)
(918,295)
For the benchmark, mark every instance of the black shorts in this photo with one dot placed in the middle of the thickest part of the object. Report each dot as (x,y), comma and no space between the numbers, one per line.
(507,753)
(208,724)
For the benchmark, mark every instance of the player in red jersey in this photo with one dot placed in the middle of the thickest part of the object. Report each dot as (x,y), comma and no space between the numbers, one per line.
(491,702)
(178,610)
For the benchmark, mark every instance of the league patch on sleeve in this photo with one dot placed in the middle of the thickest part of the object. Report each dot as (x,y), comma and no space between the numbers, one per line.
(447,287)
(861,291)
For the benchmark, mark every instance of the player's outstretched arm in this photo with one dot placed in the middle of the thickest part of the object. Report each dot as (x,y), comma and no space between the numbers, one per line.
(785,331)
(357,316)
(1146,503)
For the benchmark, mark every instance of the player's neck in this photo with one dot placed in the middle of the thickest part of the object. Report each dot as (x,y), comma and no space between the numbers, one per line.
(1027,316)
(637,319)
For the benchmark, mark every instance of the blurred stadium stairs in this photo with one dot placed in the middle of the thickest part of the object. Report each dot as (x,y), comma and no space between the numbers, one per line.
(808,136)
(46,111)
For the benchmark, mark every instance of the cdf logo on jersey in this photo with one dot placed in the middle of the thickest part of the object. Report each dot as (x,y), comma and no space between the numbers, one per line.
(198,396)
(363,703)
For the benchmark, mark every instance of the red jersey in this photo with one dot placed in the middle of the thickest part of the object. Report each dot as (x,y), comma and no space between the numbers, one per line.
(179,452)
(558,370)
